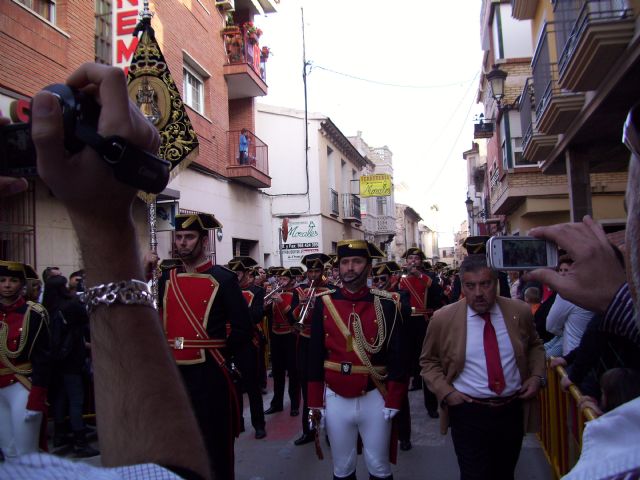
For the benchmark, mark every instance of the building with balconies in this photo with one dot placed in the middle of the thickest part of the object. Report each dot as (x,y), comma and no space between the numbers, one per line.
(377,212)
(540,103)
(315,186)
(218,92)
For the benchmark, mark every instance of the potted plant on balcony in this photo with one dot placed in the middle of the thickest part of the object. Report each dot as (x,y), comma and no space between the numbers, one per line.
(253,33)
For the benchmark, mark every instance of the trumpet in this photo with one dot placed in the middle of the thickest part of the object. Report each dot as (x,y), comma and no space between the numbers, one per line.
(268,298)
(307,306)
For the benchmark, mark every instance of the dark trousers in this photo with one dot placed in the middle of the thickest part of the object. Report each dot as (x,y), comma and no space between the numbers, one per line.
(208,390)
(487,440)
(248,362)
(404,420)
(283,362)
(417,329)
(303,364)
(68,386)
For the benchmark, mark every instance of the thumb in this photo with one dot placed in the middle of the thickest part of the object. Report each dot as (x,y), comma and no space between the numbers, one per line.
(47,131)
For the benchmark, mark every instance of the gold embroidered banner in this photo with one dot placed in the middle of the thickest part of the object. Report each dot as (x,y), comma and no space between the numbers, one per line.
(153,89)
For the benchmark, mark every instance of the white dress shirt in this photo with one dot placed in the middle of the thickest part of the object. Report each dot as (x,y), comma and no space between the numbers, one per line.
(474,380)
(569,321)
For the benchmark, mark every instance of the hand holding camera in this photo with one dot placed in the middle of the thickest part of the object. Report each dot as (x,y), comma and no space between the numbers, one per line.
(83,125)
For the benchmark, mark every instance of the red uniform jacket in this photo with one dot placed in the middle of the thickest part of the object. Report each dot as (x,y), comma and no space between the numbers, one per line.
(417,287)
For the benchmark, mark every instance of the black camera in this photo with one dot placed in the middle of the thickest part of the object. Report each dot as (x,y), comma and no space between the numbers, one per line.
(80,113)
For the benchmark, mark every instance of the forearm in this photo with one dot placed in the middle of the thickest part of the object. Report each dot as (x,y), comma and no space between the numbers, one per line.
(140,398)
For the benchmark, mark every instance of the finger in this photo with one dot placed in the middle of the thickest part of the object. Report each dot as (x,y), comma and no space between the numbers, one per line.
(47,133)
(11,186)
(547,276)
(113,95)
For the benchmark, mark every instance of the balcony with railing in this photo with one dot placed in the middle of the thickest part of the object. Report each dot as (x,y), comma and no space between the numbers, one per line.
(251,168)
(351,207)
(245,67)
(595,34)
(535,145)
(335,204)
(556,108)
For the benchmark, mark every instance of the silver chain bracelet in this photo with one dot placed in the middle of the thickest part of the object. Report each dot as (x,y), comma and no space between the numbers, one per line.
(126,292)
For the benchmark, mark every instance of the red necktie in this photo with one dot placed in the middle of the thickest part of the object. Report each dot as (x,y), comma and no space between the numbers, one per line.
(492,356)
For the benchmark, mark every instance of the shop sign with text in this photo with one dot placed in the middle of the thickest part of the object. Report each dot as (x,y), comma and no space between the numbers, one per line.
(375,185)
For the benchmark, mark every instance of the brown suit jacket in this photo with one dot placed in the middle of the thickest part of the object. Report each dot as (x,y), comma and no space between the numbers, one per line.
(444,351)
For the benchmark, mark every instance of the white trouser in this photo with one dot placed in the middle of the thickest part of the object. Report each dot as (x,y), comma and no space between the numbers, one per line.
(17,435)
(345,417)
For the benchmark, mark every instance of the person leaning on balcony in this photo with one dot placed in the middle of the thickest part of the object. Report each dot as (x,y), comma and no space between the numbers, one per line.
(243,147)
(598,283)
(485,362)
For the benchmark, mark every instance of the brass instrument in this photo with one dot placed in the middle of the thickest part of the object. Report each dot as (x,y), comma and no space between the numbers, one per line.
(268,298)
(311,292)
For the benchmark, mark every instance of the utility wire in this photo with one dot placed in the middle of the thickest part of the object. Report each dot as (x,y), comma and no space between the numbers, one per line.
(453,147)
(388,84)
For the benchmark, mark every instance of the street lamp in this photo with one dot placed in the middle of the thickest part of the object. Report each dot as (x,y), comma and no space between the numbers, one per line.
(469,204)
(496,78)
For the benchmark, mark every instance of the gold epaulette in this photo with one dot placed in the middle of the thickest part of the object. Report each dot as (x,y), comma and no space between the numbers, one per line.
(37,308)
(385,294)
(328,292)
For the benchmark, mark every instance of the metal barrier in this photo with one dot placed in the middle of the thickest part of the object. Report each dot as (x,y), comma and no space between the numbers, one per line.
(562,422)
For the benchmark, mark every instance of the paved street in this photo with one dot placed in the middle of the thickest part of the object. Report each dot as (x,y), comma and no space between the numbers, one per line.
(432,456)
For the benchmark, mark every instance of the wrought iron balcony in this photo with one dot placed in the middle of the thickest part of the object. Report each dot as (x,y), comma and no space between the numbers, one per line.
(253,168)
(555,107)
(351,207)
(245,68)
(594,36)
(535,145)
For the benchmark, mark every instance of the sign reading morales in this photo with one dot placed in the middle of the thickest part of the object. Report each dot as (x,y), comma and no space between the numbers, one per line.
(303,238)
(375,185)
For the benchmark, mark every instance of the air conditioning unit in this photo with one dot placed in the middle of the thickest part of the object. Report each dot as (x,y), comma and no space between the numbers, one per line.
(225,5)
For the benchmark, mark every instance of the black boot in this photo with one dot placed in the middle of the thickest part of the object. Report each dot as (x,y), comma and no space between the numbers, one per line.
(60,436)
(305,438)
(81,447)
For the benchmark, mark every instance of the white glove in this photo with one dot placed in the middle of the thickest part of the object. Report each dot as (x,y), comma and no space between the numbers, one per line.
(31,415)
(389,413)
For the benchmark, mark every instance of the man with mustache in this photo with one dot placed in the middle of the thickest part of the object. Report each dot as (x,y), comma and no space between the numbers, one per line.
(357,364)
(485,362)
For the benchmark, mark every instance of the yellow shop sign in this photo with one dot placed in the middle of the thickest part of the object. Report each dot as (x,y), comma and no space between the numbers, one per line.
(375,185)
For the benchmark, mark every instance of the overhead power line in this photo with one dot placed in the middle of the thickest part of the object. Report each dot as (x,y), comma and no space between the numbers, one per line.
(388,84)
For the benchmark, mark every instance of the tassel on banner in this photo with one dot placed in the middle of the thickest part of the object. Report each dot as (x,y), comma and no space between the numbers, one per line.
(155,93)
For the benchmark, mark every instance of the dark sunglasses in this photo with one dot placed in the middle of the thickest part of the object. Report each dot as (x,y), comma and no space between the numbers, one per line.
(630,136)
(381,278)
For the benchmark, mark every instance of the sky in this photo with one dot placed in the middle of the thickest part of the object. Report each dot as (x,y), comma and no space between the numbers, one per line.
(404,73)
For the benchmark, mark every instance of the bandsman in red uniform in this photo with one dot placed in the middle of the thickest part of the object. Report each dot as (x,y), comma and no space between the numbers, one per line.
(315,284)
(197,299)
(420,287)
(24,364)
(283,344)
(357,364)
(249,360)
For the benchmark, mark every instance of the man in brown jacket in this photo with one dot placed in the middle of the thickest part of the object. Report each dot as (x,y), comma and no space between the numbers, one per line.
(484,361)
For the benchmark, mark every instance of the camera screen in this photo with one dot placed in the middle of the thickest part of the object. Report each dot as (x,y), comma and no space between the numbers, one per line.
(524,253)
(17,153)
